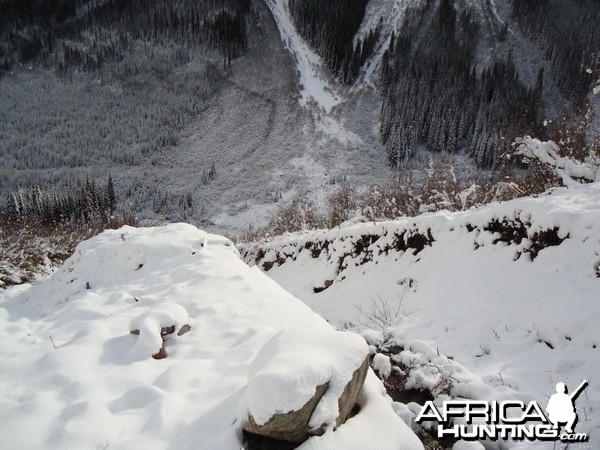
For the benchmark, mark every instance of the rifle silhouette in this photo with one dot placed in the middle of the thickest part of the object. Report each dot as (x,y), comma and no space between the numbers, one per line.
(577,391)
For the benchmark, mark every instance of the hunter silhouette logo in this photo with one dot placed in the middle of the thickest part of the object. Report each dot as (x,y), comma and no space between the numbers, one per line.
(561,406)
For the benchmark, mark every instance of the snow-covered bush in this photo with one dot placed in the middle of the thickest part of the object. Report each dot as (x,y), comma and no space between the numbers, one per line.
(569,170)
(342,205)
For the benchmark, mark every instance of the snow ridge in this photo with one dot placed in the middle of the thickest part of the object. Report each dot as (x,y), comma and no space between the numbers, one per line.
(77,361)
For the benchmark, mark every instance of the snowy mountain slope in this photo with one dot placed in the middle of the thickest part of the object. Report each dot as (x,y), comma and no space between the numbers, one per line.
(313,77)
(508,291)
(274,124)
(279,126)
(314,132)
(257,124)
(73,377)
(389,13)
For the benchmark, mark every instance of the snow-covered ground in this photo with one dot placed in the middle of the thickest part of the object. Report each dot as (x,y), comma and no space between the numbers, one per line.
(472,307)
(73,376)
(497,303)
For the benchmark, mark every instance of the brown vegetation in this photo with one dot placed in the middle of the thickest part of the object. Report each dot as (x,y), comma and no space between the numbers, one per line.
(402,196)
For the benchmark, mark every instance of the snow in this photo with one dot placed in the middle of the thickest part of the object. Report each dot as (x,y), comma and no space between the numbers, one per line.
(318,358)
(373,427)
(382,365)
(480,317)
(73,376)
(312,73)
(149,324)
(392,13)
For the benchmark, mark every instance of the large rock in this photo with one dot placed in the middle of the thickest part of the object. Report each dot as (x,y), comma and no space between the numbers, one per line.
(302,384)
(292,426)
(350,395)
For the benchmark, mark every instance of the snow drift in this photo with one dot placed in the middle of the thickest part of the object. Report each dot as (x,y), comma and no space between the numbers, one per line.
(74,377)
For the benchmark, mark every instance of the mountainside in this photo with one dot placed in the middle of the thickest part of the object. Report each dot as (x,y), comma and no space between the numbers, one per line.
(213,112)
(495,303)
(412,186)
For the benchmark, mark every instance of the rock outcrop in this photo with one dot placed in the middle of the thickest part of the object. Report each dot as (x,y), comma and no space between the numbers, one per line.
(331,369)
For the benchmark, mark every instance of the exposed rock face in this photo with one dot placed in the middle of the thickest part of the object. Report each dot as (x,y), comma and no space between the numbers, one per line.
(294,425)
(351,392)
(291,426)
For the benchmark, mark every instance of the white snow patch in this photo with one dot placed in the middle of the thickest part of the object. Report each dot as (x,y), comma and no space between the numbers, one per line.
(312,72)
(372,337)
(150,322)
(382,365)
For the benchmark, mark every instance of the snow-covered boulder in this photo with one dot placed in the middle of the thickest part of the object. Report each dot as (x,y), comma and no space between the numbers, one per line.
(156,324)
(305,382)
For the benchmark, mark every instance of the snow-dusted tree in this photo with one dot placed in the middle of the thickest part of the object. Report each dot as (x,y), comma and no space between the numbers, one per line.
(110,199)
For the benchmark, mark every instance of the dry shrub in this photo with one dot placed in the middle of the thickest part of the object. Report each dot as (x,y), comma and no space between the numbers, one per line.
(571,134)
(401,197)
(298,215)
(342,205)
(382,313)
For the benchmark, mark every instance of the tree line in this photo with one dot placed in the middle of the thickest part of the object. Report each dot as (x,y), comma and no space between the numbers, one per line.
(84,203)
(74,32)
(435,98)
